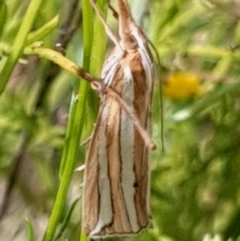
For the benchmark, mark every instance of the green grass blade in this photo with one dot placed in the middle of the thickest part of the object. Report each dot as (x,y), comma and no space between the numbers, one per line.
(30,235)
(19,43)
(66,220)
(98,47)
(43,31)
(68,158)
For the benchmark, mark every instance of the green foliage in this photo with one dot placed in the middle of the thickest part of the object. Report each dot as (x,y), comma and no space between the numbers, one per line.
(195,183)
(45,113)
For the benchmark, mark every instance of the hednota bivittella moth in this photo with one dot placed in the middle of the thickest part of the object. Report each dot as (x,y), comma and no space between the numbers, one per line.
(117,172)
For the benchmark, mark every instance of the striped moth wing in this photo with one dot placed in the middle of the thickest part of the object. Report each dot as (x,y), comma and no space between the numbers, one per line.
(116,178)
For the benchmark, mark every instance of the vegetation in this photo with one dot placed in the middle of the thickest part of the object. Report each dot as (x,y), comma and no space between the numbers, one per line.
(46,111)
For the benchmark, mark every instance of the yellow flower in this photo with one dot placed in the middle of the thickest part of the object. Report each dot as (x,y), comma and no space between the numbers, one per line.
(180,86)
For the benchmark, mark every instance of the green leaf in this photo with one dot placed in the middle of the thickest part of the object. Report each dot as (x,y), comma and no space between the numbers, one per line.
(30,236)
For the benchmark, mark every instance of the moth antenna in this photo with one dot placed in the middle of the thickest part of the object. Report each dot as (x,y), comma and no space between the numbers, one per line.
(106,26)
(160,90)
(115,13)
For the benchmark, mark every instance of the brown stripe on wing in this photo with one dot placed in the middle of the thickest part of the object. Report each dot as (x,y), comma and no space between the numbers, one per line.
(90,188)
(140,156)
(141,184)
(120,222)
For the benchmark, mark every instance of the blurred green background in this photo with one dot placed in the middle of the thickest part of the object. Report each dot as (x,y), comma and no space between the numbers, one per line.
(195,191)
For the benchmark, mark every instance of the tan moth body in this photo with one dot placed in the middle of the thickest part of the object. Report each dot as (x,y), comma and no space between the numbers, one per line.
(116,179)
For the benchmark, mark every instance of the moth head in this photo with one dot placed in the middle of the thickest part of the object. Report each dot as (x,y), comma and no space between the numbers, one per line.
(128,30)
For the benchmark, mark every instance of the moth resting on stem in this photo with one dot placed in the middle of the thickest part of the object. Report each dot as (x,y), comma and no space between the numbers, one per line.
(117,173)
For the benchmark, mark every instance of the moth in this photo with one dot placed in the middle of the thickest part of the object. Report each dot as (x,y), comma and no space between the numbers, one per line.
(117,170)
